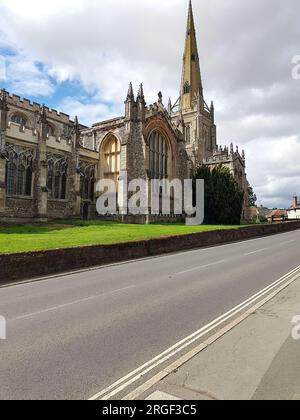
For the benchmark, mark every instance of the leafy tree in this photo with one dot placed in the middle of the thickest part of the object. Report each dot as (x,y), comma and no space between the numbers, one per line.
(223,197)
(252,197)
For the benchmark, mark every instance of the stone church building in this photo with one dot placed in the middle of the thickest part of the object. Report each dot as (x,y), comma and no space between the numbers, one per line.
(49,165)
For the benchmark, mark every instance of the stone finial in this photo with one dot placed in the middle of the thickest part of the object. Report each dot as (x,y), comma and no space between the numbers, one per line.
(181,120)
(170,106)
(76,124)
(231,148)
(243,154)
(237,149)
(43,115)
(3,100)
(130,95)
(160,97)
(141,96)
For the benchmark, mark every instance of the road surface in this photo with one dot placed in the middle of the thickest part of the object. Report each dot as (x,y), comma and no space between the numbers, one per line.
(70,337)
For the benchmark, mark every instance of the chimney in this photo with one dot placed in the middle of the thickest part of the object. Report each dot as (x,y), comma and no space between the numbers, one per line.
(295,201)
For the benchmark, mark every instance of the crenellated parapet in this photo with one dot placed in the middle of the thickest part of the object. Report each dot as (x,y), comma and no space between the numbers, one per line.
(25,118)
(226,154)
(27,105)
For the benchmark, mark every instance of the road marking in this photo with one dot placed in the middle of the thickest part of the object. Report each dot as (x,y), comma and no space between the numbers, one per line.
(199,267)
(162,396)
(287,242)
(54,308)
(180,362)
(257,251)
(138,373)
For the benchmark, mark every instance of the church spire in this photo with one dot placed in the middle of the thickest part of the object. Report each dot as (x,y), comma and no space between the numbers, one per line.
(191,84)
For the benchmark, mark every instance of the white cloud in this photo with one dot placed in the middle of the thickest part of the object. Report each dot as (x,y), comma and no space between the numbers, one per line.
(2,69)
(34,9)
(275,169)
(25,77)
(96,111)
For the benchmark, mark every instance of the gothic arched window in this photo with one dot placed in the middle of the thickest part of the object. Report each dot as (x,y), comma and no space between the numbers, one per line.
(50,130)
(208,141)
(19,171)
(21,180)
(11,178)
(186,88)
(57,178)
(28,181)
(87,183)
(63,186)
(50,183)
(158,156)
(111,158)
(18,119)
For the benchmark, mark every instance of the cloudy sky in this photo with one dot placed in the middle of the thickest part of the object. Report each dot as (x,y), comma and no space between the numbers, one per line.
(78,56)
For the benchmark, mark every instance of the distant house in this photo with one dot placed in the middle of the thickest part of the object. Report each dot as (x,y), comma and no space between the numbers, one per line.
(277,215)
(294,211)
(253,213)
(263,212)
(258,213)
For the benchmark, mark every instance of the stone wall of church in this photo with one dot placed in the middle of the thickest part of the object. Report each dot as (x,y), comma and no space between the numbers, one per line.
(137,158)
(46,141)
(19,207)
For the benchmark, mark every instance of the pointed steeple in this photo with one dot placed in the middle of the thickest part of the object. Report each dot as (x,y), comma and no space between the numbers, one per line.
(191,83)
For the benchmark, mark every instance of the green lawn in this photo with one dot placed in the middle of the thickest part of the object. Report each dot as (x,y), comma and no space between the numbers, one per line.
(68,233)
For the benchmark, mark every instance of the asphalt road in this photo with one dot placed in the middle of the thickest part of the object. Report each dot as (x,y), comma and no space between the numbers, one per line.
(71,336)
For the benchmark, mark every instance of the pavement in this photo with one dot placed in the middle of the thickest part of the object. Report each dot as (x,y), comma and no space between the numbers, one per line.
(72,336)
(258,360)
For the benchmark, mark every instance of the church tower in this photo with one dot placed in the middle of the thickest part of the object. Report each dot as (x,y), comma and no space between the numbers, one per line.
(191,113)
(191,83)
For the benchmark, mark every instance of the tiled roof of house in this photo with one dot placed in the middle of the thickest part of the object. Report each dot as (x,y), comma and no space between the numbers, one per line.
(277,213)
